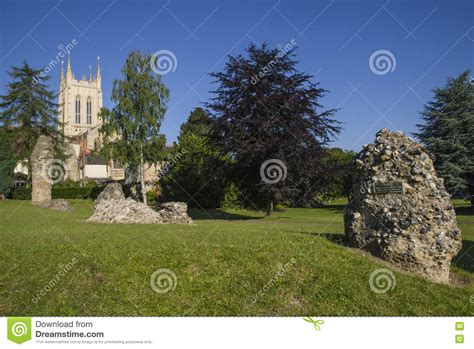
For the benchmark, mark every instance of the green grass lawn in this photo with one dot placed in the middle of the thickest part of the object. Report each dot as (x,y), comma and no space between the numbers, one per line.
(221,263)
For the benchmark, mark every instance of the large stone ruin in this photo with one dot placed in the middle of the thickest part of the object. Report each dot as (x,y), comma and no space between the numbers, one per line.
(72,164)
(399,209)
(43,153)
(111,206)
(42,163)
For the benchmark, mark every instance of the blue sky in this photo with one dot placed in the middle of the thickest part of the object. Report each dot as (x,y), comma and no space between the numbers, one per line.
(429,41)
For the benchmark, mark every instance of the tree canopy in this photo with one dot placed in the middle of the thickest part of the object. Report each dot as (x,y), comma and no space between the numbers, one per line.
(195,171)
(266,112)
(28,110)
(131,130)
(448,131)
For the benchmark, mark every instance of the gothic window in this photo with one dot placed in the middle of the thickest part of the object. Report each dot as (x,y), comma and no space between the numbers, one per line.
(89,111)
(78,110)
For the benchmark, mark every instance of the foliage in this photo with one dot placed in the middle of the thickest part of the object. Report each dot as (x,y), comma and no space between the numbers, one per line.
(131,130)
(232,197)
(195,170)
(339,185)
(151,196)
(7,163)
(448,132)
(29,110)
(277,116)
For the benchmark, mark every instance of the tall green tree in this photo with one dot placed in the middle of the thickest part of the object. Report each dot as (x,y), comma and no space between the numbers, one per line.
(28,110)
(7,163)
(448,132)
(195,171)
(269,119)
(131,130)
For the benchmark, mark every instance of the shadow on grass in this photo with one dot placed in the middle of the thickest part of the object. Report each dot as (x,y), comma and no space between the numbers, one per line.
(465,257)
(339,239)
(464,211)
(333,208)
(201,214)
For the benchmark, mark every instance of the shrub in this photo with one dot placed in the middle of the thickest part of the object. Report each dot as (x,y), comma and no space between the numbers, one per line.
(21,193)
(69,192)
(151,196)
(231,197)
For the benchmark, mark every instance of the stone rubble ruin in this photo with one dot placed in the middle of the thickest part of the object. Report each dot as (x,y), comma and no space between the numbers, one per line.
(112,207)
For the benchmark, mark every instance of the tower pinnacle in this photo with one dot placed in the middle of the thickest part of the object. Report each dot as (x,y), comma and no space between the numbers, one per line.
(61,78)
(98,68)
(68,69)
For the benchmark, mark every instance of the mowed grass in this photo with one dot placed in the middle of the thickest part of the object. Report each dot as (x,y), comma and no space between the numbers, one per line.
(227,264)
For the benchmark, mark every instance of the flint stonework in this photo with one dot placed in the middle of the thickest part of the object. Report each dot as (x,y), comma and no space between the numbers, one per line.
(43,153)
(112,207)
(399,209)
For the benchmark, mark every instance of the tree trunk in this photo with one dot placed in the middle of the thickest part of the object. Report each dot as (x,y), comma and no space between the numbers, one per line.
(270,208)
(142,177)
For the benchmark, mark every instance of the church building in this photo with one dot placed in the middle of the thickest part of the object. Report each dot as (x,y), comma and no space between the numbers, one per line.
(80,101)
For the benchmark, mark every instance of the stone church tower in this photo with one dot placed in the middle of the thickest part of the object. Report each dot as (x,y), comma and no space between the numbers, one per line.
(80,100)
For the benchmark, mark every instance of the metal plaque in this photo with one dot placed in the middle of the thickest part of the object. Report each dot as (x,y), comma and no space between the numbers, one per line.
(394,187)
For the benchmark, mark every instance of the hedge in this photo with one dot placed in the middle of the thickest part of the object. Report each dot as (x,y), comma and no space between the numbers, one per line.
(22,193)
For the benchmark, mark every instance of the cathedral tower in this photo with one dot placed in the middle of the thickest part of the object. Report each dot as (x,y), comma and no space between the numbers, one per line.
(80,100)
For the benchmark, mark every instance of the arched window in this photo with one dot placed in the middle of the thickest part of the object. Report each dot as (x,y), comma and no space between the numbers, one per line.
(78,110)
(89,111)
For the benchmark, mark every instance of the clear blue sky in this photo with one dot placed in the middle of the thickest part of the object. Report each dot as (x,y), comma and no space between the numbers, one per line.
(430,40)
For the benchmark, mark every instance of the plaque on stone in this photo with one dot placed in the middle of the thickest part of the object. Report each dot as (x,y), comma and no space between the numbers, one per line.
(392,187)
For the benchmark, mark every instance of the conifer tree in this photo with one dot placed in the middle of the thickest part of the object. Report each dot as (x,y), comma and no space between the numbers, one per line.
(28,110)
(448,132)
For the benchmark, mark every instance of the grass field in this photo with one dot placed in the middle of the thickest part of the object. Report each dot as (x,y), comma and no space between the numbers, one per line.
(227,263)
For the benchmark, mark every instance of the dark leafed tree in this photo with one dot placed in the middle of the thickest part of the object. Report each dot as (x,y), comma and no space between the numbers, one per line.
(269,119)
(28,110)
(131,130)
(195,169)
(7,164)
(448,132)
